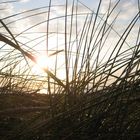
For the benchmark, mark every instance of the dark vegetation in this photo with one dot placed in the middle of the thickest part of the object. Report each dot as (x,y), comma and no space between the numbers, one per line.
(100,96)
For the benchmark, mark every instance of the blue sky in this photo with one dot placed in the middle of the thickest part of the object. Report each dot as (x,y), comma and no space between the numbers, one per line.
(37,3)
(28,4)
(127,7)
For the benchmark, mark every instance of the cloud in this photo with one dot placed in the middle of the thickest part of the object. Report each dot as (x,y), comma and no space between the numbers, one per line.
(24,1)
(6,10)
(127,9)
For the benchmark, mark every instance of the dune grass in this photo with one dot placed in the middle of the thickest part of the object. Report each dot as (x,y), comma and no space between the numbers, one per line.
(98,98)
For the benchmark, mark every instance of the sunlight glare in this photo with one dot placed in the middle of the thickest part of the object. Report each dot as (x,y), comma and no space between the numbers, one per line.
(43,61)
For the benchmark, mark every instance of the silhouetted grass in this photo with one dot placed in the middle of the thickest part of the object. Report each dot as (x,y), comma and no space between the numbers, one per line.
(98,98)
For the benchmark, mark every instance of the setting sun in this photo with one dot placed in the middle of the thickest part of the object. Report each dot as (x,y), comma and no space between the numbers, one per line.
(43,61)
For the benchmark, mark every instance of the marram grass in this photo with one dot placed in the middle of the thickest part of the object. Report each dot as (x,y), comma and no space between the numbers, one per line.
(98,97)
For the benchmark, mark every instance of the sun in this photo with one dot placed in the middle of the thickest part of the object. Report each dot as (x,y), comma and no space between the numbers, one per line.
(43,61)
(52,63)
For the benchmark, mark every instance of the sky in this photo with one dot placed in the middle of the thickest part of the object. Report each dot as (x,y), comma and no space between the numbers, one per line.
(30,27)
(127,9)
